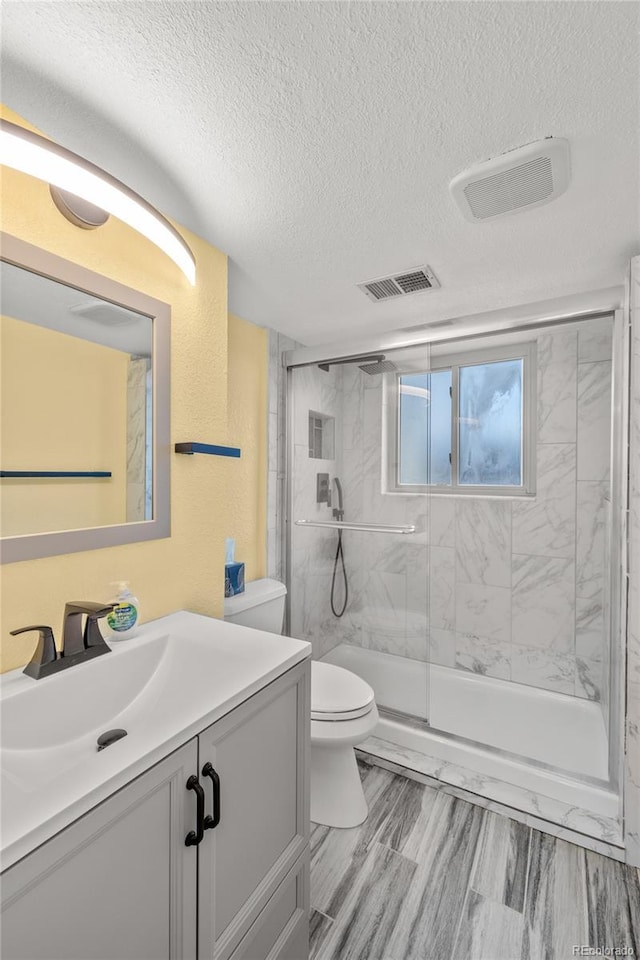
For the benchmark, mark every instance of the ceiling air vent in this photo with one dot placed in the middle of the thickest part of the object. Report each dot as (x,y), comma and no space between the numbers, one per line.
(105,313)
(400,284)
(524,178)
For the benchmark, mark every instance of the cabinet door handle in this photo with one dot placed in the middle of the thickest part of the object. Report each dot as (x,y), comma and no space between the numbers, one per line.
(194,837)
(211,822)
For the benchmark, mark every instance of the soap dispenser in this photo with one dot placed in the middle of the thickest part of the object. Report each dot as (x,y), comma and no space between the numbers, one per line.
(124,617)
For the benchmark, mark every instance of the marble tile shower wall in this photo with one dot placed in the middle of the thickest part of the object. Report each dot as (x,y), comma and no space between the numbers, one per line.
(313,549)
(516,587)
(513,589)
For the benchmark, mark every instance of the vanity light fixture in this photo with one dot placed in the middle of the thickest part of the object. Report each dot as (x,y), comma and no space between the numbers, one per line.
(76,177)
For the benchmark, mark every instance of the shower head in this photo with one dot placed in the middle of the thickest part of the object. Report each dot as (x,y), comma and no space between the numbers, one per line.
(369,363)
(381,366)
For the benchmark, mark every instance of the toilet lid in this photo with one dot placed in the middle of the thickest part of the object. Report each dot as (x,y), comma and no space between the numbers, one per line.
(338,694)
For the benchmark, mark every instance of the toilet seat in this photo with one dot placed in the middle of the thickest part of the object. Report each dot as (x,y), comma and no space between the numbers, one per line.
(338,694)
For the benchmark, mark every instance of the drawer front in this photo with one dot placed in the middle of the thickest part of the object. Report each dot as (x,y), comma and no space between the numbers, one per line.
(281,932)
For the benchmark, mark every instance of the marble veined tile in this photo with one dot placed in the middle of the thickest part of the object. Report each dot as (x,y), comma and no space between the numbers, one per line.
(591,639)
(545,524)
(543,668)
(543,603)
(483,611)
(442,647)
(442,588)
(557,385)
(135,501)
(384,612)
(595,339)
(483,541)
(594,420)
(442,530)
(592,514)
(417,599)
(273,441)
(559,345)
(588,679)
(489,657)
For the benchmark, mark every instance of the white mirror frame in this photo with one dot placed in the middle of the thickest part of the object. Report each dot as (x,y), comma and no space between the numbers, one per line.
(32,546)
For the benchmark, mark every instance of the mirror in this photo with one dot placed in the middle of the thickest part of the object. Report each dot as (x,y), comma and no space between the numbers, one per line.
(84,395)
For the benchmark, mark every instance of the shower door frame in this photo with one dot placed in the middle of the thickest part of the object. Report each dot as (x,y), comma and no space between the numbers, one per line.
(531,317)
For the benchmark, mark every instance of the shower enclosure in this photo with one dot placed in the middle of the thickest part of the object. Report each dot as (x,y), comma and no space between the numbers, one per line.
(450,540)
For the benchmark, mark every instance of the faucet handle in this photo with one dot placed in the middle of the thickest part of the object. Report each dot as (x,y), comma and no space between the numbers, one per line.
(45,652)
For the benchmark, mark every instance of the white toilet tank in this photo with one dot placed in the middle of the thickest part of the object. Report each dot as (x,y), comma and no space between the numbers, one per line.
(260,606)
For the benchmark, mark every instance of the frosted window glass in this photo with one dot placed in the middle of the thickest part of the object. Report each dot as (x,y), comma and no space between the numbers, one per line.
(425,428)
(490,424)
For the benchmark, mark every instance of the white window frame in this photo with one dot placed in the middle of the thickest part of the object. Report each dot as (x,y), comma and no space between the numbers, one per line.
(453,361)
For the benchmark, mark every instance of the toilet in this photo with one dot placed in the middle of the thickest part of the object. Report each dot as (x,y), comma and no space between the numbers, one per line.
(343,713)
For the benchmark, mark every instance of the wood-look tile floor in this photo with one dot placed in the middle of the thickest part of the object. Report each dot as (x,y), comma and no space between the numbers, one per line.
(431,877)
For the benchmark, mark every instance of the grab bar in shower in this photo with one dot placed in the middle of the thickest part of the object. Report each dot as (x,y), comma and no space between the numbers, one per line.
(364,527)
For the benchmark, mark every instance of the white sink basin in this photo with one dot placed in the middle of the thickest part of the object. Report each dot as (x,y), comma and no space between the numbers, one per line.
(87,697)
(180,674)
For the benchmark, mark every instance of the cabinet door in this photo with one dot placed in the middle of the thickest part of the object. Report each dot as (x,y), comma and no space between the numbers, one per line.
(118,884)
(260,752)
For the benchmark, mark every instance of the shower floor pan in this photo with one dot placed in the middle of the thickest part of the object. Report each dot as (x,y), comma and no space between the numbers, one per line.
(545,742)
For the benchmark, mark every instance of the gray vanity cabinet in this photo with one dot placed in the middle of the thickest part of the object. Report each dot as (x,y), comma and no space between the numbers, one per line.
(260,753)
(120,883)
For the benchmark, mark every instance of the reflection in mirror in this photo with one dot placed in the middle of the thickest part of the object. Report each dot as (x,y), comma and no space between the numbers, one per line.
(76,397)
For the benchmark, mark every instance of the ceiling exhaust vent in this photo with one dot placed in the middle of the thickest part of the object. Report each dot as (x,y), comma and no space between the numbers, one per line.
(524,178)
(400,284)
(105,313)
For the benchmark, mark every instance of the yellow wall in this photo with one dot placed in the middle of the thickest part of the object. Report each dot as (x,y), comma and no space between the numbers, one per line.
(185,571)
(63,406)
(248,405)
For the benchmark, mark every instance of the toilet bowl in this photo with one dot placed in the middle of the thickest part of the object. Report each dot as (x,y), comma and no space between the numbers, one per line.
(343,713)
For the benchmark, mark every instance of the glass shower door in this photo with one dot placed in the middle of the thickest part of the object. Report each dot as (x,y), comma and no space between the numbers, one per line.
(519,641)
(358,551)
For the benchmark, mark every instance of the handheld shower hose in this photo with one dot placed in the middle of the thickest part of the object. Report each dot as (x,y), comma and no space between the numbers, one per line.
(339,558)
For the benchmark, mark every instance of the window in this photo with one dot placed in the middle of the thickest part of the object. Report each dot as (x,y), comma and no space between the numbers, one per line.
(465,426)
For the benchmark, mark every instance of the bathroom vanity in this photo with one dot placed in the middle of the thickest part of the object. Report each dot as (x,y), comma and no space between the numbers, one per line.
(189,836)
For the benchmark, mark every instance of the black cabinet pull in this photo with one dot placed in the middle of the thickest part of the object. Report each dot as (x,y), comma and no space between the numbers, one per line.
(211,822)
(194,837)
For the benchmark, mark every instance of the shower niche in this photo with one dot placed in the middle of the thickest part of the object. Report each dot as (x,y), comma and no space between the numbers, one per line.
(322,436)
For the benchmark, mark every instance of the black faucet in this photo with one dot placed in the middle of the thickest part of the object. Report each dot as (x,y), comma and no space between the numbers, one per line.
(78,645)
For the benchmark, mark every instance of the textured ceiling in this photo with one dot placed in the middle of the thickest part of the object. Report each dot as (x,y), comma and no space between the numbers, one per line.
(314,142)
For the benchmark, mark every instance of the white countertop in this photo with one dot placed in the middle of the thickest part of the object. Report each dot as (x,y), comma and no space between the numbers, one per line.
(194,670)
